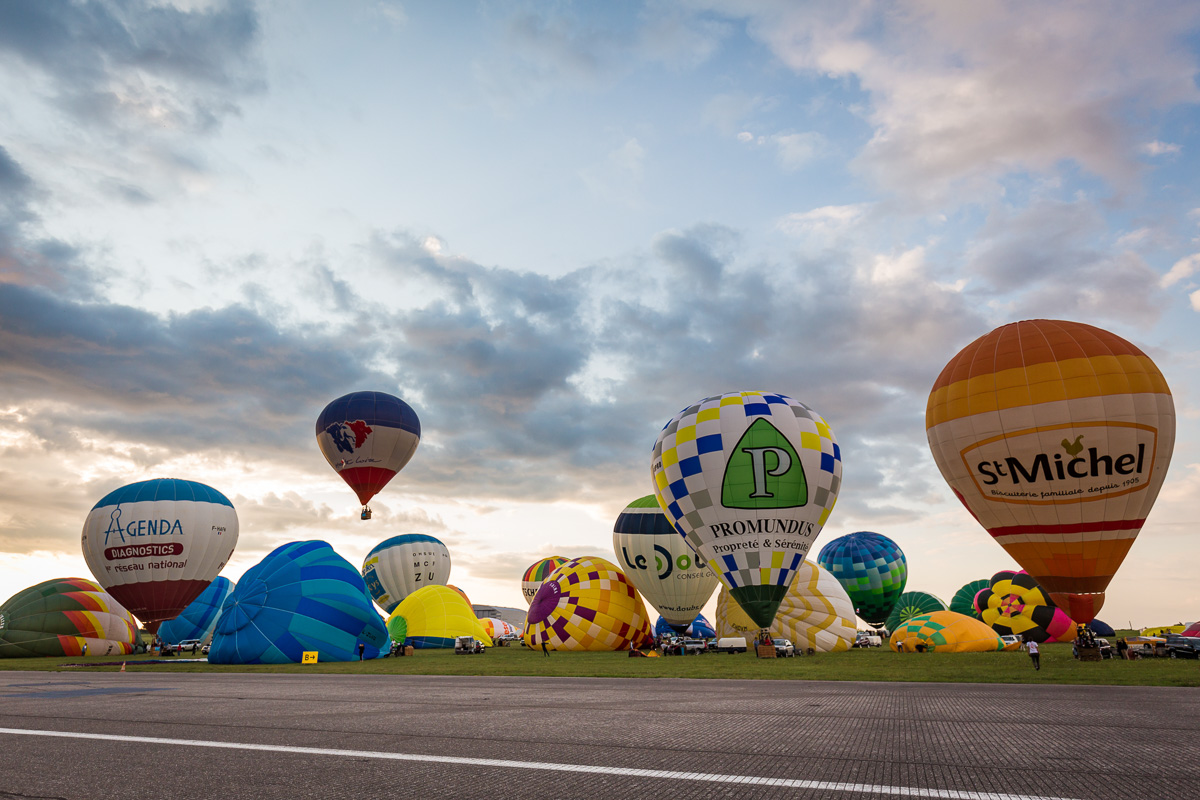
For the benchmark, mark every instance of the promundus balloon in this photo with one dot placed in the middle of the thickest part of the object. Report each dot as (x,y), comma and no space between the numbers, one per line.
(749,478)
(397,567)
(661,564)
(368,437)
(537,572)
(58,617)
(155,545)
(1056,436)
(871,568)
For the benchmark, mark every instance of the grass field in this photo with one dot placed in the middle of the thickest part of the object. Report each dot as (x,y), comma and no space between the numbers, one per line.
(876,664)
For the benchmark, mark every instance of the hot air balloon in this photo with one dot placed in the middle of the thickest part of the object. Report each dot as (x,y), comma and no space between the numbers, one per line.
(199,619)
(434,616)
(587,604)
(1056,436)
(660,564)
(302,597)
(1104,629)
(871,568)
(368,437)
(700,628)
(397,567)
(816,614)
(749,478)
(495,628)
(1014,605)
(963,601)
(155,545)
(58,617)
(538,571)
(944,632)
(912,604)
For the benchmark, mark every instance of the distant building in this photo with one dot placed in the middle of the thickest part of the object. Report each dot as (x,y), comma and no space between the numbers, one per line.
(513,616)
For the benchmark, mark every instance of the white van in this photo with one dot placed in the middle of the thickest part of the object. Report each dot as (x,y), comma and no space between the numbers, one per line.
(731,644)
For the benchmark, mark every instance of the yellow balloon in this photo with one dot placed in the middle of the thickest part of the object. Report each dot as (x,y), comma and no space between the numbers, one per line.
(587,604)
(945,632)
(435,615)
(816,613)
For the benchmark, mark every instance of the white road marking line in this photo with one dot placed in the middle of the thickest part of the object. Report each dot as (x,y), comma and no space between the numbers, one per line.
(789,783)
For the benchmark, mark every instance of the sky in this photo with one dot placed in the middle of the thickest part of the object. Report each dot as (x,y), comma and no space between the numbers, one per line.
(549,227)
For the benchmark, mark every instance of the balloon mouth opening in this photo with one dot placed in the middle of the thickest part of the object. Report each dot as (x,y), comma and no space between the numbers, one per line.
(545,601)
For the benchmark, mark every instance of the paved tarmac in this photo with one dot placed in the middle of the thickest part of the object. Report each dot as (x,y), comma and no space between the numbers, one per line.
(331,736)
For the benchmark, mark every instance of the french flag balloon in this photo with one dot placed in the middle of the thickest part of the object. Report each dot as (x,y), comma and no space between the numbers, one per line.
(367,437)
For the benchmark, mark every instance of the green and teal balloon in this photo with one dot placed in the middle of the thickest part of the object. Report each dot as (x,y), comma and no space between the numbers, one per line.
(871,568)
(913,604)
(749,479)
(963,601)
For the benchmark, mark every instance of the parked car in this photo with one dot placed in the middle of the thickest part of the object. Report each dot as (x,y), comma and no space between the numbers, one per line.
(693,647)
(186,645)
(783,647)
(867,640)
(1183,647)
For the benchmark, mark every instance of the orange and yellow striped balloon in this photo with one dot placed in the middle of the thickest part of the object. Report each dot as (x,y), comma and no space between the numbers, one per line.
(1056,436)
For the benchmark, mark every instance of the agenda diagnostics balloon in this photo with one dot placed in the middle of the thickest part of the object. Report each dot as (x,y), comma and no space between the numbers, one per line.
(58,617)
(537,572)
(397,567)
(367,437)
(871,568)
(156,545)
(1056,436)
(660,564)
(749,478)
(199,619)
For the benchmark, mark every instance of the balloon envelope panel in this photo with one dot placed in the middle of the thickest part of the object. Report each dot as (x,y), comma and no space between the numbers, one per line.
(435,615)
(495,628)
(397,567)
(661,564)
(155,545)
(367,437)
(749,478)
(587,604)
(1104,629)
(945,632)
(700,628)
(911,604)
(871,568)
(56,618)
(1056,436)
(199,619)
(1015,605)
(302,597)
(537,572)
(816,613)
(963,601)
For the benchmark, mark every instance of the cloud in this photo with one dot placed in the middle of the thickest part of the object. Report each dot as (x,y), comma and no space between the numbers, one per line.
(1181,270)
(1157,148)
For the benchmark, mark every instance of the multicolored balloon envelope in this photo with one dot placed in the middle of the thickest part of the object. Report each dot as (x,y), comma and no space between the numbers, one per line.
(156,545)
(495,628)
(749,478)
(963,601)
(199,619)
(1015,605)
(700,628)
(433,617)
(945,632)
(538,571)
(912,604)
(397,567)
(1056,436)
(302,597)
(368,437)
(587,604)
(815,614)
(871,568)
(661,564)
(57,617)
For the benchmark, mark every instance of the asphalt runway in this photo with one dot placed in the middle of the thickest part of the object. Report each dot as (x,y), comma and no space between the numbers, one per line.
(156,735)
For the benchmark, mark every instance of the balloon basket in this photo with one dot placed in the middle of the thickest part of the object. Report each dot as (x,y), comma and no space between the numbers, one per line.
(366,512)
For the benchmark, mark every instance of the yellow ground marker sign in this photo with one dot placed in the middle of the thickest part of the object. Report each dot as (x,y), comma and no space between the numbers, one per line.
(309,657)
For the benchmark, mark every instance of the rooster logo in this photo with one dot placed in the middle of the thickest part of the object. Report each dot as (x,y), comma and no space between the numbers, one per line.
(1073,448)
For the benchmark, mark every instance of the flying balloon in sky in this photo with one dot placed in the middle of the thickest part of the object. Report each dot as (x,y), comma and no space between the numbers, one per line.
(397,567)
(660,564)
(749,478)
(368,437)
(1056,436)
(155,545)
(871,568)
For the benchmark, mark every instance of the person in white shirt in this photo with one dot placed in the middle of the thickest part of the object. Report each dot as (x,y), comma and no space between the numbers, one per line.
(1034,654)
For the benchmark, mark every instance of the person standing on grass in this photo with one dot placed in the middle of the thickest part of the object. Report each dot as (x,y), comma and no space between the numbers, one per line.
(1034,654)
(545,650)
